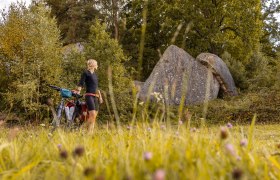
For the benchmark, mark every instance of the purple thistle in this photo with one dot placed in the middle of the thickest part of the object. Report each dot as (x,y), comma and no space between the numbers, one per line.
(229,125)
(63,154)
(78,151)
(89,171)
(223,133)
(237,173)
(243,142)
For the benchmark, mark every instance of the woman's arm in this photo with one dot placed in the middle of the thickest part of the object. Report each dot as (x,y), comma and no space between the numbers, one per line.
(81,83)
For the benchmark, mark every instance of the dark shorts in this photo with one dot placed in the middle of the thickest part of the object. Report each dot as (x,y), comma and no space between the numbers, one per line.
(92,103)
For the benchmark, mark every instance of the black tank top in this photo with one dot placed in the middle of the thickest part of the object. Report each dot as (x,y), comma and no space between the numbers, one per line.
(90,80)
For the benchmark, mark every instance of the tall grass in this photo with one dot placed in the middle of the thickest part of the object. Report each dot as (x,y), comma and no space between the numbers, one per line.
(142,151)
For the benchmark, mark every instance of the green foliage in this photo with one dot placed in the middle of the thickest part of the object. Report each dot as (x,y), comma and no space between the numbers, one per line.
(240,109)
(237,70)
(271,30)
(30,53)
(73,64)
(262,71)
(74,18)
(108,53)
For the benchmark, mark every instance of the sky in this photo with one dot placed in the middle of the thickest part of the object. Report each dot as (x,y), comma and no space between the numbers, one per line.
(6,3)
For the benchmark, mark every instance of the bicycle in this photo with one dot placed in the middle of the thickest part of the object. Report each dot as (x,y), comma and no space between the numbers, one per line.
(75,110)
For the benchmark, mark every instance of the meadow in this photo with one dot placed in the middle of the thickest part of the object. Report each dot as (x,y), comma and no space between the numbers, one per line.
(141,151)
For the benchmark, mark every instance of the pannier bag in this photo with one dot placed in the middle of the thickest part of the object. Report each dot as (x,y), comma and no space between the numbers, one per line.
(65,93)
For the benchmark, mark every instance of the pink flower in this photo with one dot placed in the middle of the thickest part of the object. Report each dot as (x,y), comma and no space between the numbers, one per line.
(159,175)
(180,122)
(147,156)
(230,149)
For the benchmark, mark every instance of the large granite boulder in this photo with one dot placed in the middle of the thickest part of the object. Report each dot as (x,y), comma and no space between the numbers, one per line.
(179,76)
(220,71)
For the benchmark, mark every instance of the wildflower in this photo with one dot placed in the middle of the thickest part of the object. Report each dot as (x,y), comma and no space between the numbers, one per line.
(78,151)
(89,171)
(59,146)
(229,125)
(224,133)
(149,129)
(147,156)
(243,142)
(237,173)
(141,103)
(193,129)
(159,175)
(43,125)
(177,133)
(157,95)
(180,122)
(63,154)
(230,149)
(163,127)
(128,127)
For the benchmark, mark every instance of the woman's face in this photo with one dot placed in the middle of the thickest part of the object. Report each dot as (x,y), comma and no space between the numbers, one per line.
(92,65)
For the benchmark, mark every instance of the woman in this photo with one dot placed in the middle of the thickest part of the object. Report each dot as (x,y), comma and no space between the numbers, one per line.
(89,79)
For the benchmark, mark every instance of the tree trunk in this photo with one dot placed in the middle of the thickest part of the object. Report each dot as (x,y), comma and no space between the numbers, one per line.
(115,18)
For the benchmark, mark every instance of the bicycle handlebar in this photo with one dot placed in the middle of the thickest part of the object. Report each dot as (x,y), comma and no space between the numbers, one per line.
(59,89)
(54,87)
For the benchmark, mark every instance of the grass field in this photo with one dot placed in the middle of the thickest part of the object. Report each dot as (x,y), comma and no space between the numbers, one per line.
(141,151)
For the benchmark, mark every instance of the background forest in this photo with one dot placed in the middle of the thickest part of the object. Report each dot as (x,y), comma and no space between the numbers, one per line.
(49,42)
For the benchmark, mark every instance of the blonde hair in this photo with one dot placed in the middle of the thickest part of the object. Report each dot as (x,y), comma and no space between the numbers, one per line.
(91,61)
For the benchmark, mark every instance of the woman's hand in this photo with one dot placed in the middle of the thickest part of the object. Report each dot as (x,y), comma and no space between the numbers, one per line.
(100,100)
(100,97)
(76,91)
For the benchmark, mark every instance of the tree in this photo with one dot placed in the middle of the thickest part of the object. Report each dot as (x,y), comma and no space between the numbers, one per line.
(30,50)
(271,31)
(74,18)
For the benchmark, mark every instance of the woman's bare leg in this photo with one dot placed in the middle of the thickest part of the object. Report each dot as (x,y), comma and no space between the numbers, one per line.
(91,120)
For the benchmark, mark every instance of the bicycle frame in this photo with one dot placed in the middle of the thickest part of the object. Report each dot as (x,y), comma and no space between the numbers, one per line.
(78,112)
